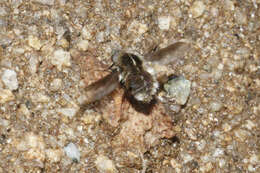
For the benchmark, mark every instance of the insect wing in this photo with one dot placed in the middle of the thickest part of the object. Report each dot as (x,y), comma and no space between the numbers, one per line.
(102,87)
(168,54)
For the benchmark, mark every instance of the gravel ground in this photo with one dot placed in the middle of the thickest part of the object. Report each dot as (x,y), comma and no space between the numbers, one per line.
(50,50)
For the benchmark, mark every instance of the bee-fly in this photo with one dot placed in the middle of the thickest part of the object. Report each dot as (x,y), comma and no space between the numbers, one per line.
(128,71)
(138,83)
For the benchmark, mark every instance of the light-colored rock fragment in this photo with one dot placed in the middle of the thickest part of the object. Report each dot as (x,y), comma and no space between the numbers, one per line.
(56,84)
(83,45)
(104,164)
(251,168)
(214,11)
(226,127)
(5,39)
(178,89)
(6,96)
(4,123)
(229,5)
(40,97)
(35,154)
(33,64)
(197,9)
(254,159)
(34,42)
(33,145)
(242,135)
(68,112)
(175,164)
(137,27)
(54,155)
(100,37)
(240,17)
(61,58)
(164,22)
(63,43)
(222,163)
(62,2)
(9,78)
(217,74)
(218,152)
(200,145)
(186,157)
(191,133)
(216,106)
(249,124)
(72,152)
(45,2)
(151,139)
(86,34)
(6,62)
(3,11)
(34,141)
(90,117)
(24,110)
(206,167)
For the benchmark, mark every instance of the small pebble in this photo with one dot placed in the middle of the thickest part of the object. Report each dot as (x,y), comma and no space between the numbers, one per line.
(33,64)
(5,39)
(221,163)
(164,22)
(240,17)
(9,78)
(33,145)
(61,58)
(54,155)
(34,42)
(206,168)
(68,112)
(229,5)
(226,127)
(6,96)
(63,43)
(175,108)
(40,97)
(72,152)
(100,37)
(3,11)
(251,168)
(197,9)
(254,159)
(217,74)
(86,34)
(201,145)
(104,164)
(215,106)
(218,152)
(175,164)
(179,89)
(56,84)
(191,133)
(186,157)
(139,28)
(249,124)
(45,2)
(241,134)
(23,110)
(83,45)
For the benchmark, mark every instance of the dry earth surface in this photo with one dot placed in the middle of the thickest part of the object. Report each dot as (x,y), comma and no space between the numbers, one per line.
(50,50)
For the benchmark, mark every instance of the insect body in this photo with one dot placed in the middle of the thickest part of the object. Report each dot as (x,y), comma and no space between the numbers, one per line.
(139,83)
(128,71)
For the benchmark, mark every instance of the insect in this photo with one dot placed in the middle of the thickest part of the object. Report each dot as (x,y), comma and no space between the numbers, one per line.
(129,71)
